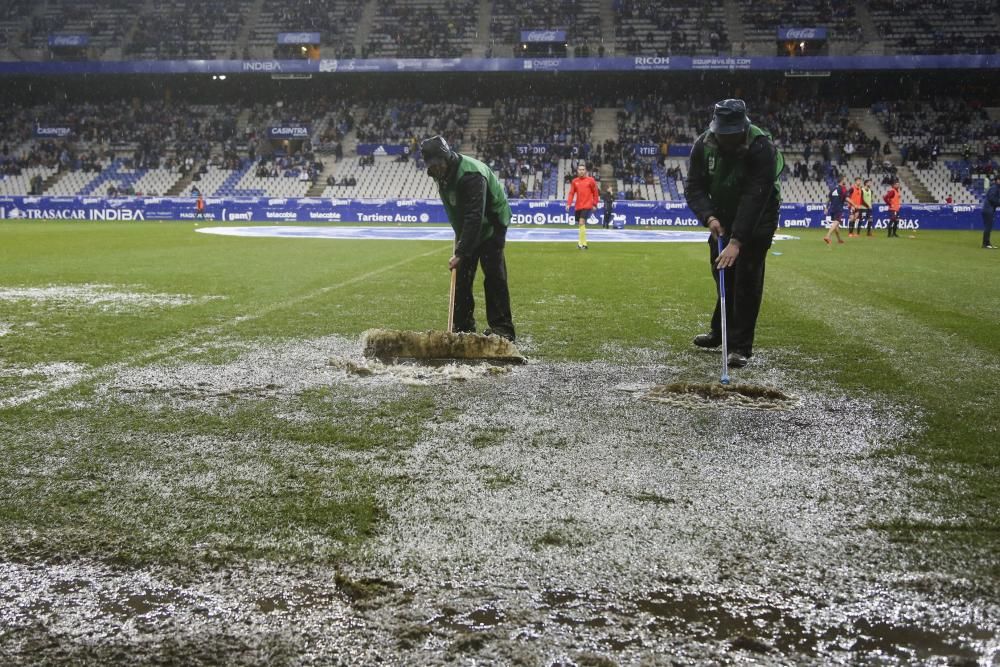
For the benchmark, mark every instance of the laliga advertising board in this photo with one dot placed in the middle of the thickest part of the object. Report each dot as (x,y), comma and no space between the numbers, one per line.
(400,211)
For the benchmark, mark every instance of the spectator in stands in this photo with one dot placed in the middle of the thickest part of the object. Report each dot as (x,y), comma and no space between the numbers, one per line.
(990,204)
(733,189)
(478,211)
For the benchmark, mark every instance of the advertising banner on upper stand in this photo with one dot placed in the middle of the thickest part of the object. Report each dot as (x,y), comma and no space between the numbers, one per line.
(626,213)
(545,64)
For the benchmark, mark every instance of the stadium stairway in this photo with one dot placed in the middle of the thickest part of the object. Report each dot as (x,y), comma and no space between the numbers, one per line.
(916,185)
(317,188)
(977,188)
(550,186)
(667,184)
(228,186)
(734,26)
(869,35)
(116,173)
(252,19)
(364,29)
(605,126)
(608,29)
(869,123)
(183,185)
(51,180)
(478,125)
(485,16)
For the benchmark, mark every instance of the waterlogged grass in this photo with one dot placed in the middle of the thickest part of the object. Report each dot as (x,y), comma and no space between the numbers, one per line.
(186,484)
(912,320)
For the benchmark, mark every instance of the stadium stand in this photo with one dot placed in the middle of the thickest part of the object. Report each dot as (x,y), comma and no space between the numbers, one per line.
(104,21)
(381,177)
(563,127)
(213,29)
(581,19)
(940,147)
(939,26)
(23,181)
(422,28)
(762,18)
(336,21)
(674,27)
(945,125)
(400,121)
(172,29)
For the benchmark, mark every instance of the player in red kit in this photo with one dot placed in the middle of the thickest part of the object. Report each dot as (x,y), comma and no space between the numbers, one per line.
(584,188)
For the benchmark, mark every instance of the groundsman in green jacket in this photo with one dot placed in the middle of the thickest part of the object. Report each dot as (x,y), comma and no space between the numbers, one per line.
(734,189)
(478,211)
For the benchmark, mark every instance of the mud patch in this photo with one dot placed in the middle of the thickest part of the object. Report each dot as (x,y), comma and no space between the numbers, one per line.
(702,395)
(387,345)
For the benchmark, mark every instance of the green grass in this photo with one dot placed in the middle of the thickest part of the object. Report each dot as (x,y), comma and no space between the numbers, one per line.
(910,320)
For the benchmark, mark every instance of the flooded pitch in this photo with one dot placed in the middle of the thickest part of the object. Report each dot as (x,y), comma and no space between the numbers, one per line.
(550,516)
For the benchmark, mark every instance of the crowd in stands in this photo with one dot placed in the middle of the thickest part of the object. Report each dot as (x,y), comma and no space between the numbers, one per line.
(206,29)
(936,26)
(335,21)
(815,127)
(540,120)
(406,121)
(302,165)
(687,29)
(838,16)
(188,29)
(340,121)
(68,16)
(940,122)
(526,137)
(510,17)
(552,129)
(144,136)
(412,31)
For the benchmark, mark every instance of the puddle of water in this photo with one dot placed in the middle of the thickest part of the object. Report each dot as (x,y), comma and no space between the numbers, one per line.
(482,618)
(268,605)
(140,604)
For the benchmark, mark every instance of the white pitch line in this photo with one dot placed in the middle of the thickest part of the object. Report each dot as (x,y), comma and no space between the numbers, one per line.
(145,357)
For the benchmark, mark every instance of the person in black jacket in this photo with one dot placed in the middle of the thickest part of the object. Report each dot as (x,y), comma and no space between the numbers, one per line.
(608,197)
(990,204)
(733,189)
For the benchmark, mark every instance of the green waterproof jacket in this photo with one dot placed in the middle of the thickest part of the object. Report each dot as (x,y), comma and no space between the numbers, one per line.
(475,202)
(742,190)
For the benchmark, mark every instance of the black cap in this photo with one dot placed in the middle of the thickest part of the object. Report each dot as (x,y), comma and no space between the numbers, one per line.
(730,117)
(435,149)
